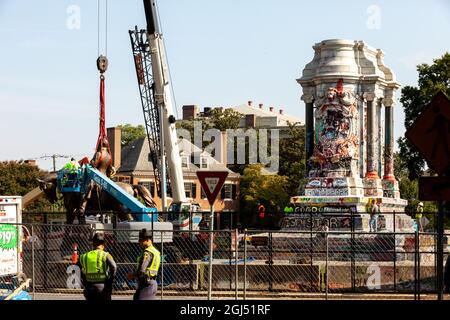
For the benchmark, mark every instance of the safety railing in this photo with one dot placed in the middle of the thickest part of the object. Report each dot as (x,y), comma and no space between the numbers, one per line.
(319,261)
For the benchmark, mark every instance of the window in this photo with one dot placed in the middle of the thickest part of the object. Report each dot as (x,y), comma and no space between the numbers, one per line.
(190,189)
(124,179)
(228,192)
(184,162)
(204,162)
(150,185)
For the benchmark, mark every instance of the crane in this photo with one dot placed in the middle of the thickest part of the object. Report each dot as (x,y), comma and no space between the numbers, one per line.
(154,87)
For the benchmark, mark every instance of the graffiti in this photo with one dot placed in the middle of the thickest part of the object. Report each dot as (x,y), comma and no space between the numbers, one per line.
(322,209)
(325,200)
(371,192)
(326,192)
(388,194)
(327,183)
(336,134)
(305,223)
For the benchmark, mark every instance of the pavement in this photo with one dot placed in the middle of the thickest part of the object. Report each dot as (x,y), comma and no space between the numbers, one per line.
(249,296)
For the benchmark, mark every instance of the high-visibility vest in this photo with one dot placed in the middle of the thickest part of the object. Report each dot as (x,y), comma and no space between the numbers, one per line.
(153,267)
(71,167)
(93,265)
(288,209)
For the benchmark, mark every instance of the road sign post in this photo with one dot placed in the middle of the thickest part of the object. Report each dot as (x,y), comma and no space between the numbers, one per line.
(211,182)
(430,134)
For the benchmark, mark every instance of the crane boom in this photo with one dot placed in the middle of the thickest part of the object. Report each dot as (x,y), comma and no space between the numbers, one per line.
(156,99)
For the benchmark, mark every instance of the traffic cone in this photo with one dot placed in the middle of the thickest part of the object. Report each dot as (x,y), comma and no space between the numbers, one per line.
(75,253)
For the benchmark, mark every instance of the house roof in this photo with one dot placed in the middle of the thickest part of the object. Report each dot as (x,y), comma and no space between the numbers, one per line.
(282,118)
(134,158)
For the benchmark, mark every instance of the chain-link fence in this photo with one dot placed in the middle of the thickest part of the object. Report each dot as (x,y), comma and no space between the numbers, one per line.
(319,261)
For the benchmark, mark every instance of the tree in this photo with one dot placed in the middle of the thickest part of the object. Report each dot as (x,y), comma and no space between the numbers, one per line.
(257,188)
(18,178)
(432,79)
(292,157)
(131,133)
(224,119)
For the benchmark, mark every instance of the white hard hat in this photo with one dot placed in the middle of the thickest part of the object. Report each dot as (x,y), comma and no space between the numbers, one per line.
(421,204)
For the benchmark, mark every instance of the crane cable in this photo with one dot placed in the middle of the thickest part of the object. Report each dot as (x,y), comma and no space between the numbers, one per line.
(98,27)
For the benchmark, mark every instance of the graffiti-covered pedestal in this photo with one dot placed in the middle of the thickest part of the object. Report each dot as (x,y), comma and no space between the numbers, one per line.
(349,140)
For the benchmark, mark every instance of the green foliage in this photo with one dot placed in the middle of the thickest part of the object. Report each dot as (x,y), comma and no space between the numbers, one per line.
(268,190)
(223,119)
(432,79)
(131,133)
(292,157)
(17,178)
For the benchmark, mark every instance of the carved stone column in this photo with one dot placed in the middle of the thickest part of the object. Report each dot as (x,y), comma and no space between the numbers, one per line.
(389,139)
(309,128)
(371,171)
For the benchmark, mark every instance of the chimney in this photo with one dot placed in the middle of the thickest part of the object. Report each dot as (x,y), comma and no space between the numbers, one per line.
(250,120)
(281,111)
(260,105)
(250,102)
(207,111)
(115,144)
(190,112)
(271,109)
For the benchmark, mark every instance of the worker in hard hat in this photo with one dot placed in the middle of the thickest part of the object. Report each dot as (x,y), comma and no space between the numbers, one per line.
(98,270)
(419,216)
(147,268)
(72,168)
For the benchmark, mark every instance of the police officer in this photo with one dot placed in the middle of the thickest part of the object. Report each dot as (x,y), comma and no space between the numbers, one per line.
(147,268)
(98,270)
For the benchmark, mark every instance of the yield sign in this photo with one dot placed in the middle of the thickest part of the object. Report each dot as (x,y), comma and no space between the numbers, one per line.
(212,182)
(430,133)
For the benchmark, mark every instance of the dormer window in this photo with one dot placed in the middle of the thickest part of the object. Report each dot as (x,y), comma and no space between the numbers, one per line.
(184,161)
(204,162)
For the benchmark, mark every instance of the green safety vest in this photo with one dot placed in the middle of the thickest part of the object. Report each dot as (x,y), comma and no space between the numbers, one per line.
(93,265)
(152,269)
(288,209)
(72,168)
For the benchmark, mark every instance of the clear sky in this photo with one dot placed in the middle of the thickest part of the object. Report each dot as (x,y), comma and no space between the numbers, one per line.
(220,52)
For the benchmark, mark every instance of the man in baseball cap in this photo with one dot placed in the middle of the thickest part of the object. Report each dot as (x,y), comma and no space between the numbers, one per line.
(147,267)
(98,270)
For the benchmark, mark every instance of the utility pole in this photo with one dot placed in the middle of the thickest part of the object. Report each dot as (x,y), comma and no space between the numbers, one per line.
(54,156)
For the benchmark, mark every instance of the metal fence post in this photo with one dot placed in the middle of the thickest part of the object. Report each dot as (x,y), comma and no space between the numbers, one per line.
(326,267)
(440,251)
(311,249)
(245,264)
(395,254)
(236,255)
(46,250)
(32,262)
(417,263)
(352,253)
(211,241)
(270,262)
(162,264)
